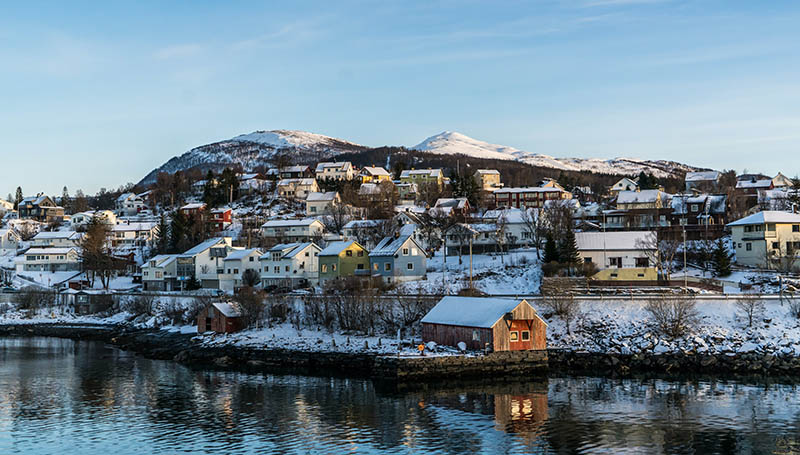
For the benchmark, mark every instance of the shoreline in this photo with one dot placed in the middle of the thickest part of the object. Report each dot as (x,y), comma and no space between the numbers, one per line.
(180,347)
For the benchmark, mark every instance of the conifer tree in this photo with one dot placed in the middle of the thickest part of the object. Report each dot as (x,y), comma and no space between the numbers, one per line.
(722,259)
(550,249)
(18,198)
(568,249)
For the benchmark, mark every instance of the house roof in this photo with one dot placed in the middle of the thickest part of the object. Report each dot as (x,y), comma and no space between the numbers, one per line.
(335,248)
(127,227)
(763,183)
(375,171)
(35,200)
(599,241)
(487,172)
(388,246)
(288,250)
(125,197)
(162,260)
(327,196)
(229,309)
(530,189)
(639,197)
(624,182)
(343,165)
(237,255)
(197,249)
(429,172)
(294,169)
(361,224)
(770,216)
(456,203)
(369,188)
(68,235)
(296,181)
(702,176)
(193,205)
(44,251)
(290,223)
(470,311)
(712,204)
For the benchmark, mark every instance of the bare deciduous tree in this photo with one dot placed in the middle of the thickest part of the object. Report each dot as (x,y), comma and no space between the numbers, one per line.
(558,296)
(661,253)
(750,306)
(251,303)
(673,315)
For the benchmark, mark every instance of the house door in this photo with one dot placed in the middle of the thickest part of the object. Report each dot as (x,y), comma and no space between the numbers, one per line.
(208,324)
(521,335)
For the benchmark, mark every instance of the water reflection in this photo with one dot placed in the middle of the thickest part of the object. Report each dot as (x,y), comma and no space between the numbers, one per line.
(91,398)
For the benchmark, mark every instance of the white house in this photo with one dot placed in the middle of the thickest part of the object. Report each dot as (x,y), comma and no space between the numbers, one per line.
(67,239)
(340,170)
(235,265)
(304,230)
(133,234)
(321,203)
(128,204)
(624,184)
(9,241)
(767,239)
(612,251)
(290,264)
(298,188)
(54,259)
(160,273)
(82,219)
(206,260)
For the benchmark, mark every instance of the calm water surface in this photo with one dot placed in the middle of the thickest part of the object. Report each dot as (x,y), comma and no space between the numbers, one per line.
(61,396)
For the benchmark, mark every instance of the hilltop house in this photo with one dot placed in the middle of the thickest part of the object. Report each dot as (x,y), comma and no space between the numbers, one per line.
(9,241)
(340,170)
(781,181)
(767,239)
(702,181)
(619,256)
(220,219)
(290,265)
(305,230)
(133,234)
(82,219)
(458,206)
(480,323)
(623,184)
(40,208)
(398,258)
(297,189)
(702,216)
(129,204)
(235,265)
(322,203)
(343,259)
(253,182)
(372,174)
(296,172)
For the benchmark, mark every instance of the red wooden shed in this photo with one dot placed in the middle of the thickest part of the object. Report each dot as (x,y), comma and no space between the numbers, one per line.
(502,324)
(220,317)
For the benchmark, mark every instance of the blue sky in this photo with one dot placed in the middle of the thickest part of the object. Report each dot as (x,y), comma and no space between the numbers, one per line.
(96,94)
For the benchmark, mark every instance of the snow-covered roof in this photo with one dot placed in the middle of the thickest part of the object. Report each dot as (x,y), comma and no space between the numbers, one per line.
(763,183)
(640,197)
(197,249)
(327,196)
(429,172)
(162,260)
(127,227)
(125,196)
(769,216)
(362,224)
(512,215)
(470,311)
(228,309)
(46,251)
(290,223)
(237,255)
(702,176)
(341,165)
(487,172)
(335,248)
(615,241)
(456,203)
(193,205)
(388,246)
(61,235)
(530,189)
(375,171)
(34,200)
(296,181)
(713,204)
(369,188)
(249,176)
(409,209)
(294,169)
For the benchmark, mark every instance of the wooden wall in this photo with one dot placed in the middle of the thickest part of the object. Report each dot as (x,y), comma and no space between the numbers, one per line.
(451,335)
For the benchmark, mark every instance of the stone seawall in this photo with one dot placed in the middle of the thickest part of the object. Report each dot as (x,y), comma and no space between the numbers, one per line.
(508,364)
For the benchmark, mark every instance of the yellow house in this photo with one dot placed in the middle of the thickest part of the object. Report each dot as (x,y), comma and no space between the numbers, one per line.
(422,176)
(372,174)
(343,259)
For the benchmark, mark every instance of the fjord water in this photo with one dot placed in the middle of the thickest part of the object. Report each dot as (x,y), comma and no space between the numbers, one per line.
(62,396)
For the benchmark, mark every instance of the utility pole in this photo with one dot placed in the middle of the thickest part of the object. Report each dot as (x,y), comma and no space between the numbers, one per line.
(470,260)
(685,271)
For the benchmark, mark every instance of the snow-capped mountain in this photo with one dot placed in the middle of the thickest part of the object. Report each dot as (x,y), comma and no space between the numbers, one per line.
(451,143)
(257,148)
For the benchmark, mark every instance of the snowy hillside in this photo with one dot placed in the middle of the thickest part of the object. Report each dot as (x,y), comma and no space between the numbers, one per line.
(451,143)
(255,149)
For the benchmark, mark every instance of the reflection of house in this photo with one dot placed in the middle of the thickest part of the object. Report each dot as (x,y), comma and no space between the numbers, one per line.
(305,230)
(220,317)
(500,324)
(623,256)
(290,264)
(767,239)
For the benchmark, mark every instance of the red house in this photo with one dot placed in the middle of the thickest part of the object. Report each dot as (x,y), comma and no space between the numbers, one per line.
(220,219)
(220,317)
(499,324)
(193,209)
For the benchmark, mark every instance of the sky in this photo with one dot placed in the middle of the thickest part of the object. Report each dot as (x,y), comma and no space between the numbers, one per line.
(97,94)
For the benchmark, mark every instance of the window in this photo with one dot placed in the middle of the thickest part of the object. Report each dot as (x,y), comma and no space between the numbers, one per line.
(235,271)
(360,254)
(740,244)
(333,267)
(306,253)
(775,245)
(642,262)
(313,209)
(796,228)
(748,246)
(614,275)
(405,251)
(409,266)
(615,262)
(277,269)
(286,268)
(251,258)
(375,266)
(324,268)
(476,335)
(348,253)
(526,335)
(587,260)
(360,267)
(514,336)
(771,227)
(694,207)
(413,251)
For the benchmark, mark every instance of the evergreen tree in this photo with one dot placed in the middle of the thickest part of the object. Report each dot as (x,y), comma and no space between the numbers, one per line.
(179,233)
(550,249)
(18,198)
(228,186)
(568,249)
(162,237)
(65,201)
(722,259)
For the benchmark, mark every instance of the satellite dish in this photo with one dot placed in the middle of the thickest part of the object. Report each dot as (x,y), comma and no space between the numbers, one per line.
(462,346)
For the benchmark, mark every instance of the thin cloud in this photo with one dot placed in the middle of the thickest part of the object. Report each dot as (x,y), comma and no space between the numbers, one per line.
(178,51)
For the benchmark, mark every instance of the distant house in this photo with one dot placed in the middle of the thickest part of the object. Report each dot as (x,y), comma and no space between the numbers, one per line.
(362,229)
(9,241)
(398,258)
(252,182)
(194,209)
(494,323)
(82,219)
(623,184)
(702,181)
(488,179)
(60,239)
(644,199)
(297,189)
(781,181)
(296,172)
(133,234)
(220,219)
(423,177)
(321,203)
(160,273)
(40,208)
(768,239)
(220,317)
(703,216)
(129,204)
(406,191)
(340,170)
(458,206)
(373,174)
(529,197)
(234,266)
(304,230)
(5,207)
(290,264)
(622,256)
(204,261)
(54,259)
(343,259)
